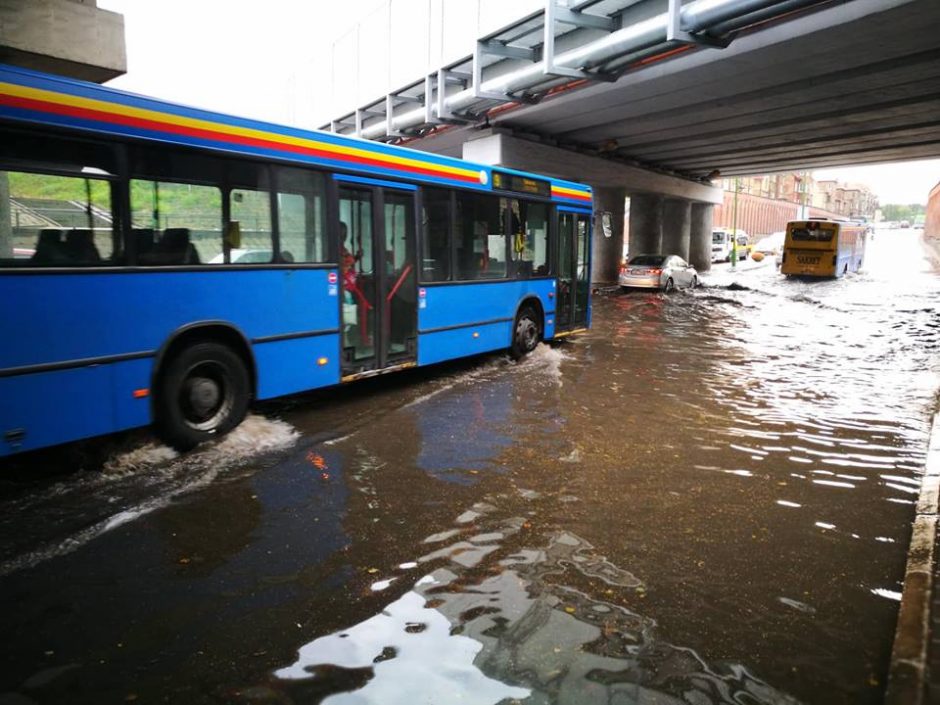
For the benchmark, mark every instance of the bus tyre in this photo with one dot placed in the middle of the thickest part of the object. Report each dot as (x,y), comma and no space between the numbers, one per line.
(202,393)
(526,333)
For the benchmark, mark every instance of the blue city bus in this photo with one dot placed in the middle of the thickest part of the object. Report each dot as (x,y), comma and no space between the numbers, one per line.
(165,265)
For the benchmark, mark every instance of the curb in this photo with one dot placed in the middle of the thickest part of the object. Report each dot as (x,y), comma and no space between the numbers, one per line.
(907,672)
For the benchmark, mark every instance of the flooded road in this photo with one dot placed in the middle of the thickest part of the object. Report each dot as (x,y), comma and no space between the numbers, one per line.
(706,499)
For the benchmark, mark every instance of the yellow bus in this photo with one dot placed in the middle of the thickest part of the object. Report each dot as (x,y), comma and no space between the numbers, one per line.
(822,248)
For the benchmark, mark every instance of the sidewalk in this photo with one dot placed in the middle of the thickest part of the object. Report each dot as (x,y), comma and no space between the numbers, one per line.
(914,672)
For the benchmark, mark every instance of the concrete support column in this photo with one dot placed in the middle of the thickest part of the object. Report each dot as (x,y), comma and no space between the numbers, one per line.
(700,243)
(646,224)
(68,38)
(607,251)
(677,221)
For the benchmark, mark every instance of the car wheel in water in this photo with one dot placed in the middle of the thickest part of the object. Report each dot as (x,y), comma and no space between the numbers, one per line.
(694,282)
(670,285)
(526,333)
(202,393)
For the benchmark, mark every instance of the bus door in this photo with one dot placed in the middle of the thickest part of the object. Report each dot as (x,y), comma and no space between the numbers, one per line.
(378,280)
(574,232)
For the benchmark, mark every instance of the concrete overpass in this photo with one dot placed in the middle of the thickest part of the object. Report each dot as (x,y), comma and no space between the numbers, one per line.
(651,98)
(68,37)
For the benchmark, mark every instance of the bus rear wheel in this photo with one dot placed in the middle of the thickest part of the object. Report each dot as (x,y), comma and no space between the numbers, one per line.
(202,393)
(526,333)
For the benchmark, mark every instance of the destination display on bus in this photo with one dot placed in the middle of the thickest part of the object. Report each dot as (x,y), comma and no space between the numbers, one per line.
(521,184)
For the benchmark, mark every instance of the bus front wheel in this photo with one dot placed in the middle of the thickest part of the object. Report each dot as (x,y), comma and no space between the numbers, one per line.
(526,333)
(202,393)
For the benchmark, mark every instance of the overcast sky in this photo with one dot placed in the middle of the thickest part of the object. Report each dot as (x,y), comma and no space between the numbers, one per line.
(274,60)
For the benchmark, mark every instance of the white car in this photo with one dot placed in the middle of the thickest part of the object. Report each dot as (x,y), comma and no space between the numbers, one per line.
(771,244)
(666,272)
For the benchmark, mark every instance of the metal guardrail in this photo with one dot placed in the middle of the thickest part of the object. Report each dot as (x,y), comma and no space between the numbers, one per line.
(557,48)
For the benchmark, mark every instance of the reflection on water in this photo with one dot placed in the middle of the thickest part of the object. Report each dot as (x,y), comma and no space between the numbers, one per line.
(527,623)
(710,498)
(465,426)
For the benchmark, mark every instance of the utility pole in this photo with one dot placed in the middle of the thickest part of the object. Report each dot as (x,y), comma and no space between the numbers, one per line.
(734,224)
(803,188)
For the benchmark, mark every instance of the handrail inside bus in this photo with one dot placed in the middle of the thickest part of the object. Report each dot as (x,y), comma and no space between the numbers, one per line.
(401,280)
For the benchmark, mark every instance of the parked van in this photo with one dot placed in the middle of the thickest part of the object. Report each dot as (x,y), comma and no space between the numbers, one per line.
(722,244)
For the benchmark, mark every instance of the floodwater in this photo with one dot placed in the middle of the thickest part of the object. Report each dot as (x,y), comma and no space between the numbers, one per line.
(706,499)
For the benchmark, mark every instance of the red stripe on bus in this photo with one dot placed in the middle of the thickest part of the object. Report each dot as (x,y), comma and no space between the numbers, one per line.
(571,197)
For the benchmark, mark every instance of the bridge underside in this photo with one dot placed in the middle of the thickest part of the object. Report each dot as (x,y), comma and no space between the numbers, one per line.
(856,82)
(809,85)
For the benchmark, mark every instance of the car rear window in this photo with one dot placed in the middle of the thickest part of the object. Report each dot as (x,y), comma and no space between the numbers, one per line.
(647,261)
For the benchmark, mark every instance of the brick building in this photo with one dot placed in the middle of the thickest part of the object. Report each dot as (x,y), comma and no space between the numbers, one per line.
(932,223)
(767,203)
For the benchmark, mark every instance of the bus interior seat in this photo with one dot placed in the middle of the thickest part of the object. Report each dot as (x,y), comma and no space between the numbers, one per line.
(524,268)
(50,249)
(80,246)
(143,241)
(495,269)
(174,247)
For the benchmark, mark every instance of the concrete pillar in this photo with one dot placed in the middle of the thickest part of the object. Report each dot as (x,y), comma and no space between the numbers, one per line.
(607,250)
(677,221)
(700,242)
(64,37)
(646,224)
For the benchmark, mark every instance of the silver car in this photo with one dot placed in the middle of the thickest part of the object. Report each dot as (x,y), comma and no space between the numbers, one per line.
(666,272)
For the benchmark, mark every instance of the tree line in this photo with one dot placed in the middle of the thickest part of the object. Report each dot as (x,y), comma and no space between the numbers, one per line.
(898,211)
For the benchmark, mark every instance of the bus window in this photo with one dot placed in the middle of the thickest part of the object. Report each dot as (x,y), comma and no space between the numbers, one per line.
(55,221)
(529,247)
(398,220)
(252,211)
(300,215)
(355,217)
(811,235)
(481,242)
(176,223)
(435,262)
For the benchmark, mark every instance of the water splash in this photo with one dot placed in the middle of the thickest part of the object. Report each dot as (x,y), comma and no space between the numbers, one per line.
(132,484)
(133,461)
(546,359)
